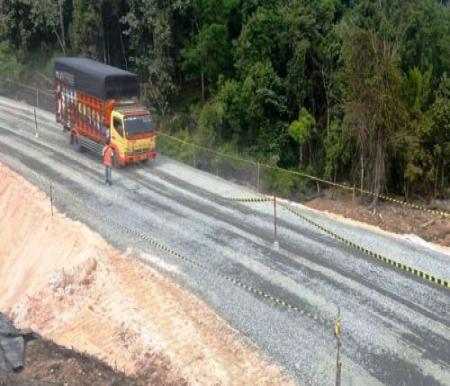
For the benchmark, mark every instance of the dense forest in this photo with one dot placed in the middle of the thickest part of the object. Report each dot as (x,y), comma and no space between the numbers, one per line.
(349,90)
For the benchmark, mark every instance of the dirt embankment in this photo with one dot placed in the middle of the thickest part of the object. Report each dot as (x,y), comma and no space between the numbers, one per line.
(65,282)
(389,217)
(47,364)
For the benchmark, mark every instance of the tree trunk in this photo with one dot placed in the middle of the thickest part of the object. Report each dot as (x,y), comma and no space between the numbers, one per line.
(361,159)
(379,172)
(59,40)
(310,155)
(327,100)
(105,42)
(202,77)
(405,189)
(61,24)
(122,46)
(436,179)
(300,156)
(333,189)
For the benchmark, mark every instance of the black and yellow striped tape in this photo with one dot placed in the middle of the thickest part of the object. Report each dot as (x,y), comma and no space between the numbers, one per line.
(250,199)
(437,212)
(246,287)
(262,294)
(412,270)
(404,267)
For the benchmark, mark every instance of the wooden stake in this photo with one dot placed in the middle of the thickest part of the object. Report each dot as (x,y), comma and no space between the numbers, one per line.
(51,198)
(36,133)
(337,334)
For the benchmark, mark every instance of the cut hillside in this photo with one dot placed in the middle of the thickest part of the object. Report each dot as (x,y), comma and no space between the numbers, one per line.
(65,282)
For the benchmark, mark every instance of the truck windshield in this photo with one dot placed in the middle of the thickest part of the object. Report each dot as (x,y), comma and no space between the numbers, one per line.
(139,125)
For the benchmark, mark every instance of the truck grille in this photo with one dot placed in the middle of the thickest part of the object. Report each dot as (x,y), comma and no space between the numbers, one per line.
(139,151)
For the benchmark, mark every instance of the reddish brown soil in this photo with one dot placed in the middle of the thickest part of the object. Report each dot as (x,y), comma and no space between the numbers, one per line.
(390,217)
(49,364)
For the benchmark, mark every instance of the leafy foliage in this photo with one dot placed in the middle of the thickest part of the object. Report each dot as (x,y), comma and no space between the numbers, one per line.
(356,91)
(301,130)
(85,35)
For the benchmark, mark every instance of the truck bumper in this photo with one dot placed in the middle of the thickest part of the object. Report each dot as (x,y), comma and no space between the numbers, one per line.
(135,158)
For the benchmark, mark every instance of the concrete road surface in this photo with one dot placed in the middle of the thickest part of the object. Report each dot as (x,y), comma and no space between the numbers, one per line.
(395,327)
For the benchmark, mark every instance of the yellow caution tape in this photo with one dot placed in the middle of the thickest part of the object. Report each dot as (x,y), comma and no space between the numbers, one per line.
(437,212)
(250,199)
(337,327)
(401,266)
(412,270)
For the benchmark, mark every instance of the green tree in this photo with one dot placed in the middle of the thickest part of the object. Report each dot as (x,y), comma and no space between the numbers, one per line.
(10,66)
(301,131)
(417,91)
(426,37)
(374,109)
(439,135)
(230,100)
(211,118)
(263,38)
(337,150)
(17,23)
(149,29)
(208,54)
(416,158)
(86,30)
(265,106)
(48,15)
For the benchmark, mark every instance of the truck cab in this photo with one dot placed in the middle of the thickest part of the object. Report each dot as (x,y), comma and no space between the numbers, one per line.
(132,134)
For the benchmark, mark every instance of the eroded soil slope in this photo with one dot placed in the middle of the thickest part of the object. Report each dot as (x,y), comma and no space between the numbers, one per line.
(65,282)
(389,217)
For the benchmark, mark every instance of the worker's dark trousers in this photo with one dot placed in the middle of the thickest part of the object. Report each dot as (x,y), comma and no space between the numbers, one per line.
(108,175)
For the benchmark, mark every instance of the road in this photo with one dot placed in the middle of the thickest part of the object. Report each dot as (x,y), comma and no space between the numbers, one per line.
(395,327)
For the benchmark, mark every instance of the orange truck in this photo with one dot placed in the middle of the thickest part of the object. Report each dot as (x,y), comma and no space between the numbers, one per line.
(99,104)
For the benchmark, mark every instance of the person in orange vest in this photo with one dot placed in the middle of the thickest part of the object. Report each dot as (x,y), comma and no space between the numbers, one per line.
(107,161)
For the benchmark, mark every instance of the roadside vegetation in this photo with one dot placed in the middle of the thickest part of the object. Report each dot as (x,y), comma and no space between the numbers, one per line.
(351,91)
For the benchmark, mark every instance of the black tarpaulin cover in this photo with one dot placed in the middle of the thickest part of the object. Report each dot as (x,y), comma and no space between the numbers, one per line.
(97,79)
